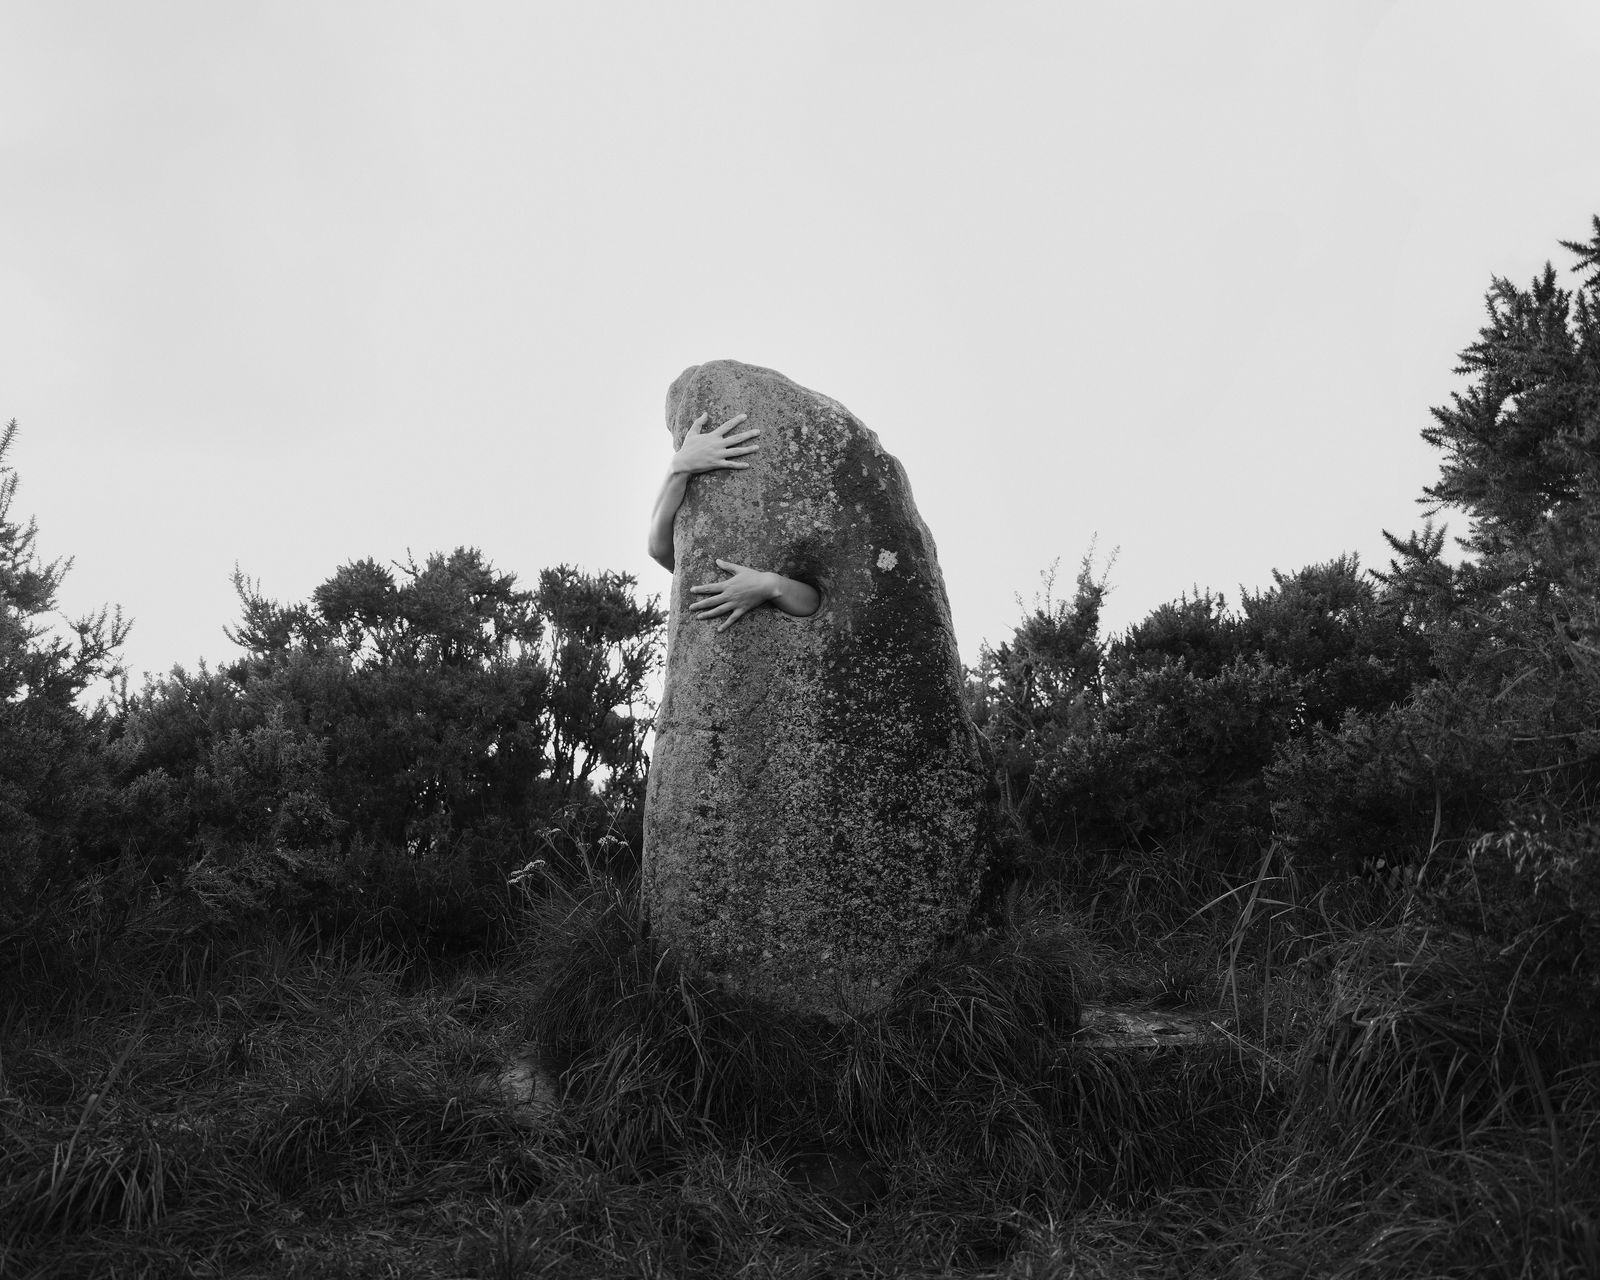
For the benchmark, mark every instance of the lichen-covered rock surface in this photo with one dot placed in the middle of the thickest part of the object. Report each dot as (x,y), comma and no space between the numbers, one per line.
(816,818)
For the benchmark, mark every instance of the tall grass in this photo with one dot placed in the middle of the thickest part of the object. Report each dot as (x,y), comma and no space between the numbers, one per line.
(1381,1100)
(654,1059)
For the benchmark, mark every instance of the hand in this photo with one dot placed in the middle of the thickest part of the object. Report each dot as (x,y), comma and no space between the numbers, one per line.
(709,450)
(734,597)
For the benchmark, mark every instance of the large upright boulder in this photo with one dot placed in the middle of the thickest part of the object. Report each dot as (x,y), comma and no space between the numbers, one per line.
(815,820)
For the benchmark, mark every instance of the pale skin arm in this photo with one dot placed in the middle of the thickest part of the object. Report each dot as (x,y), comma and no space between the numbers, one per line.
(700,451)
(748,588)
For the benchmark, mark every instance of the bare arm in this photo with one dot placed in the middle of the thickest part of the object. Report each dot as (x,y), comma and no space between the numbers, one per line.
(749,589)
(700,451)
(667,503)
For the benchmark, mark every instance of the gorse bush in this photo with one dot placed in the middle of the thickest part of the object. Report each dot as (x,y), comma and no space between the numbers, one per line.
(1499,755)
(450,709)
(415,737)
(1160,739)
(378,760)
(1434,721)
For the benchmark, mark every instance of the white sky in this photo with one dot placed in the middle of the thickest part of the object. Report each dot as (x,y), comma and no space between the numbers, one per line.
(290,284)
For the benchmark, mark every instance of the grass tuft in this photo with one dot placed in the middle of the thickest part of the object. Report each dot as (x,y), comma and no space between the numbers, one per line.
(1421,1037)
(654,1061)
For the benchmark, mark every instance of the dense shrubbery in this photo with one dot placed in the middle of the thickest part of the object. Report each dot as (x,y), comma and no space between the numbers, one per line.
(1438,722)
(1162,737)
(381,757)
(425,736)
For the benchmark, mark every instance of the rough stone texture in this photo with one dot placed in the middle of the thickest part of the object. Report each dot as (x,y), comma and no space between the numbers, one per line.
(816,821)
(528,1089)
(1105,1027)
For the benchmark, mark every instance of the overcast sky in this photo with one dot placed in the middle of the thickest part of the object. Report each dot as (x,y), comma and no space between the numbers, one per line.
(291,284)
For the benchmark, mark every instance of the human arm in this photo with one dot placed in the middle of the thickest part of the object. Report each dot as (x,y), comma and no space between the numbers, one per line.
(749,589)
(700,451)
(667,503)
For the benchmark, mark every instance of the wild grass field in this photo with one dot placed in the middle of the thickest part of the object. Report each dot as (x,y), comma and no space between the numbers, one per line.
(1369,1104)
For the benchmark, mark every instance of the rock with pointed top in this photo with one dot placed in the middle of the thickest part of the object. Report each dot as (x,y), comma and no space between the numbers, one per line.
(816,820)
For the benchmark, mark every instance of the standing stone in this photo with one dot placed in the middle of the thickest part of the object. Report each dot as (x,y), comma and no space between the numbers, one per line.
(815,820)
